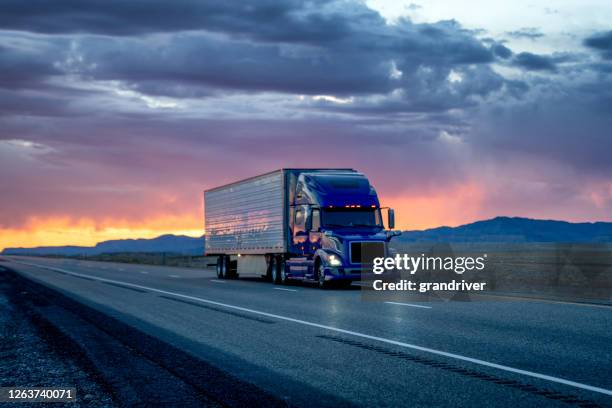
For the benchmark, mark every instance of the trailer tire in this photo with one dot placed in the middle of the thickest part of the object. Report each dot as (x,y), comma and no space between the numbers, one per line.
(231,269)
(275,270)
(282,266)
(221,267)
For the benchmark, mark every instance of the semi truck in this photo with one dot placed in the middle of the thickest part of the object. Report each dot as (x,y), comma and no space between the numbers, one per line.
(319,225)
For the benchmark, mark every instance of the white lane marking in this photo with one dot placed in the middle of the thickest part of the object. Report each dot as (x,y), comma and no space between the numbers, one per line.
(288,290)
(174,276)
(349,332)
(408,304)
(217,281)
(144,272)
(122,270)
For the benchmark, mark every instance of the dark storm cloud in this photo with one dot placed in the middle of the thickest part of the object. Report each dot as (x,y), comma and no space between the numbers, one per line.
(569,125)
(287,21)
(442,42)
(33,103)
(605,67)
(531,33)
(501,51)
(200,63)
(360,65)
(429,90)
(534,62)
(206,60)
(30,67)
(602,43)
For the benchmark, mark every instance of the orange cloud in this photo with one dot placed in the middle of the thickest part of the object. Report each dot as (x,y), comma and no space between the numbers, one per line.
(85,231)
(449,206)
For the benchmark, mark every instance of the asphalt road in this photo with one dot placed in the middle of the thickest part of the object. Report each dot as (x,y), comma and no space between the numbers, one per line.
(324,348)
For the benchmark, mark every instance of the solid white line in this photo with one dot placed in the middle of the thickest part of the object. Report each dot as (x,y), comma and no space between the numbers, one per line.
(144,272)
(408,304)
(350,332)
(288,290)
(217,281)
(174,276)
(122,270)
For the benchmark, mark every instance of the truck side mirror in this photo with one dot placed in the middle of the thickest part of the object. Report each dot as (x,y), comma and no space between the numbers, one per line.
(391,218)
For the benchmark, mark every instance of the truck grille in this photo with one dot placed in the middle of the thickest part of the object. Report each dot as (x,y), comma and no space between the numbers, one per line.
(365,252)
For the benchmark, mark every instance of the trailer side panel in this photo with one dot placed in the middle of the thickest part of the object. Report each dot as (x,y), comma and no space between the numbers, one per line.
(247,217)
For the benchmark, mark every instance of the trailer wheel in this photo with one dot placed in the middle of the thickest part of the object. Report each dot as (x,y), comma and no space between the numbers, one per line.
(284,279)
(268,276)
(275,270)
(231,269)
(221,267)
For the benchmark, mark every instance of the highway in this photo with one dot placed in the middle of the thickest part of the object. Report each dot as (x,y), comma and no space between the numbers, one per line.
(331,348)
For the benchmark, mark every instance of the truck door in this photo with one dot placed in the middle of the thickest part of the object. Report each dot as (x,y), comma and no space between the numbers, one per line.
(314,239)
(314,235)
(299,264)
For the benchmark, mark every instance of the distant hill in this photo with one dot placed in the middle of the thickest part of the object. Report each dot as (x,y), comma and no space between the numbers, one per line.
(179,244)
(515,229)
(499,229)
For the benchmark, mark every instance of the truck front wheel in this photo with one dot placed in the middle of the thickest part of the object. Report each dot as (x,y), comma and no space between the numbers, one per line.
(321,276)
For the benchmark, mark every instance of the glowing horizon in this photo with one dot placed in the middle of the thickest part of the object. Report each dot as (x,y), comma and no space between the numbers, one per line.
(63,231)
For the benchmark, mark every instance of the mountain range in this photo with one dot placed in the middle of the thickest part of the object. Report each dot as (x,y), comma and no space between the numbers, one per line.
(496,230)
(515,229)
(177,244)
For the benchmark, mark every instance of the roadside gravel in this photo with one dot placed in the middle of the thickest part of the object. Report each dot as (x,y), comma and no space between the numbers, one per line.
(29,358)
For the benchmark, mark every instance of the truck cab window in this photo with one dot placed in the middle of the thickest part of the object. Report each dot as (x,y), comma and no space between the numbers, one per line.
(344,217)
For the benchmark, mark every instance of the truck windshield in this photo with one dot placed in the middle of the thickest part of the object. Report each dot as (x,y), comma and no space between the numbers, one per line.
(345,217)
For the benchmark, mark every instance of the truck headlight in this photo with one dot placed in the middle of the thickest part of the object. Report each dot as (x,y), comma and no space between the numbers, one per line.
(334,260)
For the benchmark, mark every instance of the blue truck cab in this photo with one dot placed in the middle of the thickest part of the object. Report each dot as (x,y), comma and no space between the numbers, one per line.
(318,225)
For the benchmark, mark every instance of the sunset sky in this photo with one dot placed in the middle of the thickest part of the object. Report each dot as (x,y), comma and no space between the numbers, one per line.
(115,116)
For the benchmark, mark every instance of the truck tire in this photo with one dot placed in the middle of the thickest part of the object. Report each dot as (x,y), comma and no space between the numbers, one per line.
(221,267)
(231,269)
(323,284)
(282,266)
(275,270)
